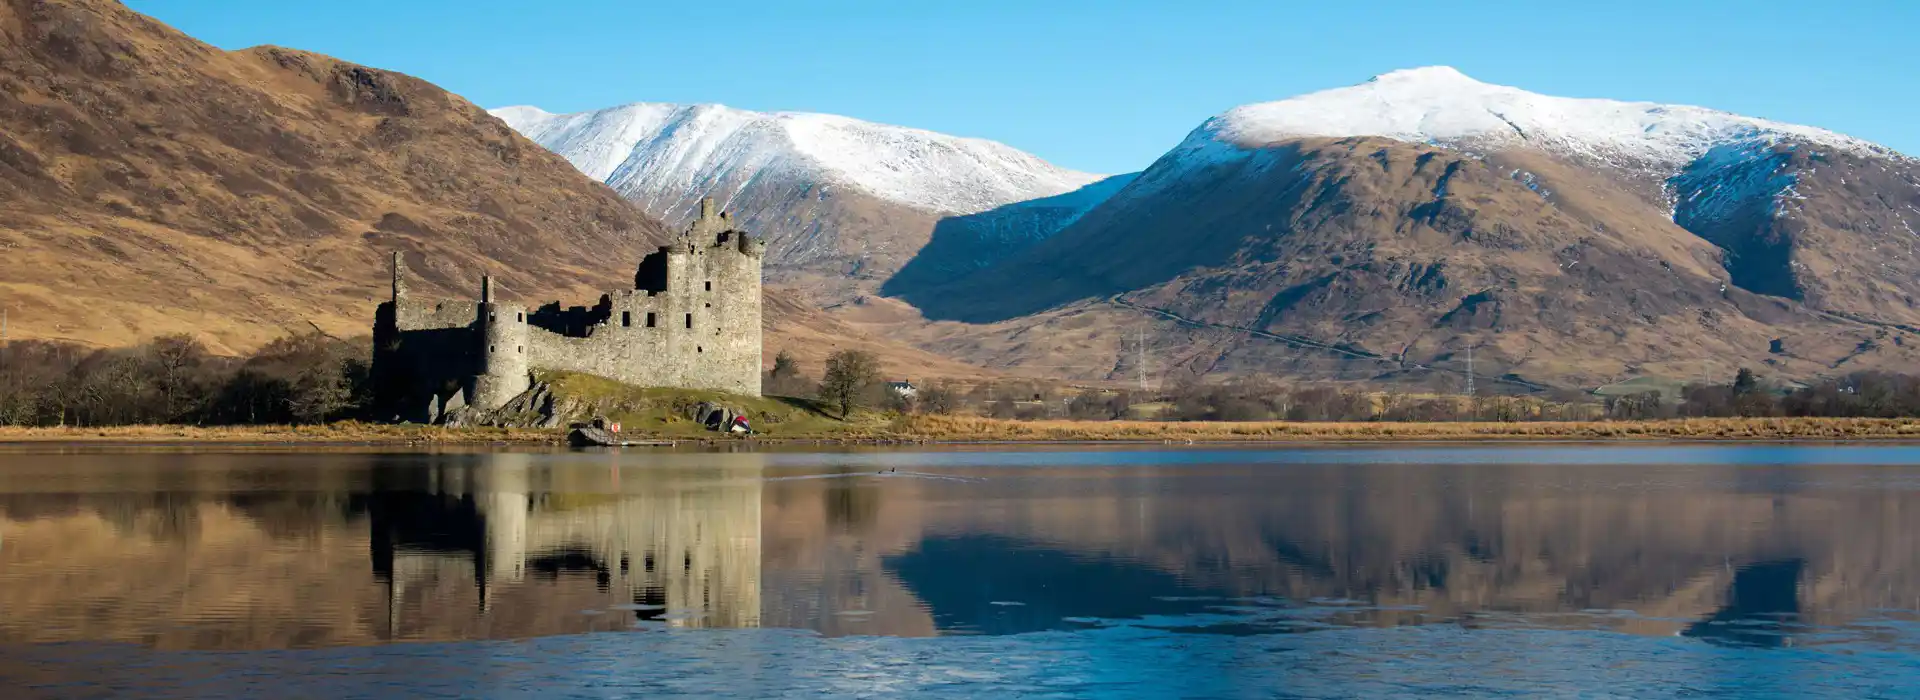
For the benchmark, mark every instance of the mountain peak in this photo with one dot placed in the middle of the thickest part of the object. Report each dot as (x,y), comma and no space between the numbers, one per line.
(1442,106)
(683,152)
(1424,74)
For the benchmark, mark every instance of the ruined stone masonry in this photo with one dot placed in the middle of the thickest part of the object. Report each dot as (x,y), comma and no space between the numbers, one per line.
(691,320)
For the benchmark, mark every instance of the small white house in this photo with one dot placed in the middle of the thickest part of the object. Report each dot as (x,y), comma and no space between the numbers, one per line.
(903,389)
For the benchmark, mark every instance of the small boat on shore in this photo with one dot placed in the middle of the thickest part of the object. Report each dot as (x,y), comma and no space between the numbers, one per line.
(600,433)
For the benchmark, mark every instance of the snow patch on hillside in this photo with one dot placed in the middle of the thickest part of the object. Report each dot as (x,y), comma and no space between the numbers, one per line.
(1442,107)
(1726,181)
(670,152)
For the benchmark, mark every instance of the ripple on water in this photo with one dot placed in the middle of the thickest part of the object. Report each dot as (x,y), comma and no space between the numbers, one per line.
(1114,660)
(1647,571)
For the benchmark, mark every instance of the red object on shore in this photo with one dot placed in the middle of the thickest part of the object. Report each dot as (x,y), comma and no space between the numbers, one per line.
(613,427)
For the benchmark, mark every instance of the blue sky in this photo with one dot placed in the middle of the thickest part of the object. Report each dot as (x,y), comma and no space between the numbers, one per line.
(1105,86)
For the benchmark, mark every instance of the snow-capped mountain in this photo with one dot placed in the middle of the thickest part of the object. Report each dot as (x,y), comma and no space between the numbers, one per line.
(672,150)
(1439,105)
(1398,219)
(828,191)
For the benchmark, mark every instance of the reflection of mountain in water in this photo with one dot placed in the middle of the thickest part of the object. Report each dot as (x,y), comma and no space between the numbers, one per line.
(996,585)
(233,551)
(1760,600)
(1739,550)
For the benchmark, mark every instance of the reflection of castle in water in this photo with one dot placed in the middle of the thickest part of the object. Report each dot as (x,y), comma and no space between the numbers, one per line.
(688,554)
(251,551)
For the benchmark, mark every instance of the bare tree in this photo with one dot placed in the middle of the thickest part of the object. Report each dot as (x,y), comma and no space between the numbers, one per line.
(175,364)
(850,376)
(939,399)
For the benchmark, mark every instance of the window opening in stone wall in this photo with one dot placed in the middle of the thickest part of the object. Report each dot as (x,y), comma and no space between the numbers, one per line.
(493,348)
(709,304)
(697,348)
(689,320)
(522,349)
(649,319)
(573,321)
(709,285)
(626,319)
(521,317)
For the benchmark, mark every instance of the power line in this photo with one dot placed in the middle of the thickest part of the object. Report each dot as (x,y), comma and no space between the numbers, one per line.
(1141,360)
(1469,370)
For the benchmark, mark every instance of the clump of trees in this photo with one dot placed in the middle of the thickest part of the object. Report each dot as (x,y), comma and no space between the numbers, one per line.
(1872,394)
(1861,395)
(852,381)
(1747,394)
(939,398)
(307,378)
(786,378)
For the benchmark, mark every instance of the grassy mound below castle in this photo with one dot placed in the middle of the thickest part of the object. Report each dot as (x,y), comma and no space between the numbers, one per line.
(668,413)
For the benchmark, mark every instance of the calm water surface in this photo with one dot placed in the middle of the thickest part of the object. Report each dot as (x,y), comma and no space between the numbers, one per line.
(1632,571)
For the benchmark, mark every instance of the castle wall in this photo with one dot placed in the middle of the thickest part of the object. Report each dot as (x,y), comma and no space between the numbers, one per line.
(426,357)
(421,314)
(670,353)
(703,298)
(692,320)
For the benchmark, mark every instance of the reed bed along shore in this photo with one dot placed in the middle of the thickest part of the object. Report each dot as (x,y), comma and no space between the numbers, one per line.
(970,428)
(927,428)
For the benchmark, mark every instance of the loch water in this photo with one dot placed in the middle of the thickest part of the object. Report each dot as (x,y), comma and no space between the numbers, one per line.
(1577,570)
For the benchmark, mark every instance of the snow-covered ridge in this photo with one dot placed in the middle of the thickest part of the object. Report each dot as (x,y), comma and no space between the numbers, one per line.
(669,152)
(1441,106)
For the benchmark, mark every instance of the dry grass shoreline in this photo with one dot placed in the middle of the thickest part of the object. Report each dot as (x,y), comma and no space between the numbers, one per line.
(944,427)
(960,429)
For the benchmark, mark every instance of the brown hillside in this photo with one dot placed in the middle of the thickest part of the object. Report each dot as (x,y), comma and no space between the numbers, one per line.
(1839,231)
(1369,258)
(150,183)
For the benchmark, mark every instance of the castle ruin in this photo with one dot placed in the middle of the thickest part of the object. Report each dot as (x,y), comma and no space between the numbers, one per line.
(691,320)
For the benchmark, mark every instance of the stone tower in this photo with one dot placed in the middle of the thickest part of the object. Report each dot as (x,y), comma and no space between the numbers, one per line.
(504,365)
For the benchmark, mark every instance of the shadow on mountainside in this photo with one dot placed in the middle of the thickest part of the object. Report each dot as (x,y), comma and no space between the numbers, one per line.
(963,245)
(1167,222)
